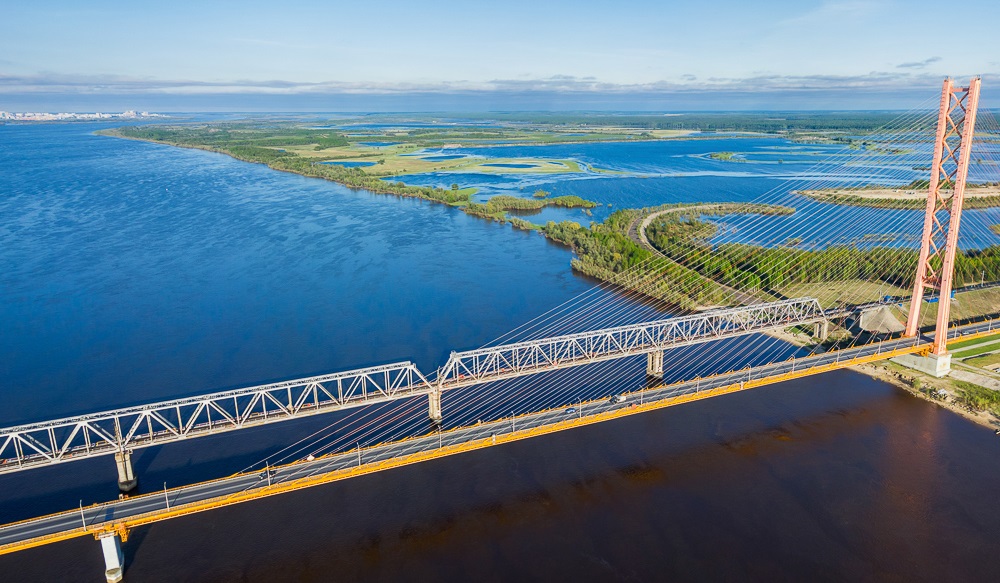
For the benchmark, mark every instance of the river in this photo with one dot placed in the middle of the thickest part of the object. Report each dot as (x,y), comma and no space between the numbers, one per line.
(133,272)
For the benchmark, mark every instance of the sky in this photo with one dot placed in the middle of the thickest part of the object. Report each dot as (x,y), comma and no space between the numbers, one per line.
(385,55)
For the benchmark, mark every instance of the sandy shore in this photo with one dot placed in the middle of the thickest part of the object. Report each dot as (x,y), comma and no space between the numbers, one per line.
(971,191)
(905,381)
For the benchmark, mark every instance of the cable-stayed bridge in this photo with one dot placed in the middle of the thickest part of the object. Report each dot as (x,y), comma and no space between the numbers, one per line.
(113,520)
(750,324)
(113,432)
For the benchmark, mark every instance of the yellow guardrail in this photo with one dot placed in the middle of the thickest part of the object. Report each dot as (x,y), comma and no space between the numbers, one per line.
(122,526)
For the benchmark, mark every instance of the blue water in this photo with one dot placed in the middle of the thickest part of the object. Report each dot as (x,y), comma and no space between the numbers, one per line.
(507,165)
(645,174)
(378,144)
(128,272)
(349,164)
(443,157)
(132,272)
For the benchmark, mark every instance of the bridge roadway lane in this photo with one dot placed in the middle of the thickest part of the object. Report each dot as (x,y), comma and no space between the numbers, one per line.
(131,507)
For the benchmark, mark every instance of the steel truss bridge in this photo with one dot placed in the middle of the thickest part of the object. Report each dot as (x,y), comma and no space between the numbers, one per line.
(111,522)
(114,432)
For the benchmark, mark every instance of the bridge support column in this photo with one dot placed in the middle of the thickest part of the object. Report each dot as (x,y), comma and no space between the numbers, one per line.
(434,402)
(937,365)
(654,364)
(126,475)
(821,330)
(114,560)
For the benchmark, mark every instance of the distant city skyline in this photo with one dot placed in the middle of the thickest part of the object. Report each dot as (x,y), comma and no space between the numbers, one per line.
(451,56)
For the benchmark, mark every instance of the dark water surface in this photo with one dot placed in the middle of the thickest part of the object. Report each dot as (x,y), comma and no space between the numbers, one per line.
(132,272)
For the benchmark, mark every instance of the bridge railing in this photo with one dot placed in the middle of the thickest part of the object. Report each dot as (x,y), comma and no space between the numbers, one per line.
(46,443)
(50,442)
(533,356)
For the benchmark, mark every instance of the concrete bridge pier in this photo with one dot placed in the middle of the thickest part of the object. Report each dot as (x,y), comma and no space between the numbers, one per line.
(114,560)
(654,364)
(126,475)
(821,330)
(434,408)
(932,364)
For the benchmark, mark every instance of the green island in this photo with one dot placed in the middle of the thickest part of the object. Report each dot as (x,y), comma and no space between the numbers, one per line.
(691,271)
(910,196)
(606,251)
(316,153)
(694,273)
(725,156)
(496,207)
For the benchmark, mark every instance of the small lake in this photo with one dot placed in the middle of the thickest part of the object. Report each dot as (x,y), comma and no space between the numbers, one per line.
(442,158)
(509,165)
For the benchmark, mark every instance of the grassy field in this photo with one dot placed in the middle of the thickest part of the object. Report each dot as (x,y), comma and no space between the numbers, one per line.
(403,154)
(968,305)
(985,361)
(853,291)
(978,398)
(966,343)
(538,166)
(981,348)
(400,159)
(671,133)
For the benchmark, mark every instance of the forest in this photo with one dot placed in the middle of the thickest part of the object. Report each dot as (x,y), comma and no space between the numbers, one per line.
(687,240)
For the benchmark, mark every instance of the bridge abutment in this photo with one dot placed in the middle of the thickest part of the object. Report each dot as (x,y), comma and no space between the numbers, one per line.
(654,364)
(434,405)
(932,364)
(126,474)
(114,560)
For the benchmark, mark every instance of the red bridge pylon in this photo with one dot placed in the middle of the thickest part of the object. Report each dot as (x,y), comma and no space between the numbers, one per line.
(949,170)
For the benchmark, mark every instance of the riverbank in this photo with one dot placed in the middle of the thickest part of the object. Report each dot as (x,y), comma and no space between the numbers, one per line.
(941,391)
(358,178)
(687,277)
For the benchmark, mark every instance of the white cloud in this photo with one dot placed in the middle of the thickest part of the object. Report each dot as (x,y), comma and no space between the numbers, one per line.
(908,78)
(918,64)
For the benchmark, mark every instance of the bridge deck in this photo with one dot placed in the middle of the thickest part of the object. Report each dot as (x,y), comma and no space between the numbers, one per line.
(121,515)
(50,442)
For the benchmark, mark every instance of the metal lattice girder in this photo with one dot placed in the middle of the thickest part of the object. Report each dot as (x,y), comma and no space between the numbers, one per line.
(49,442)
(45,443)
(535,356)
